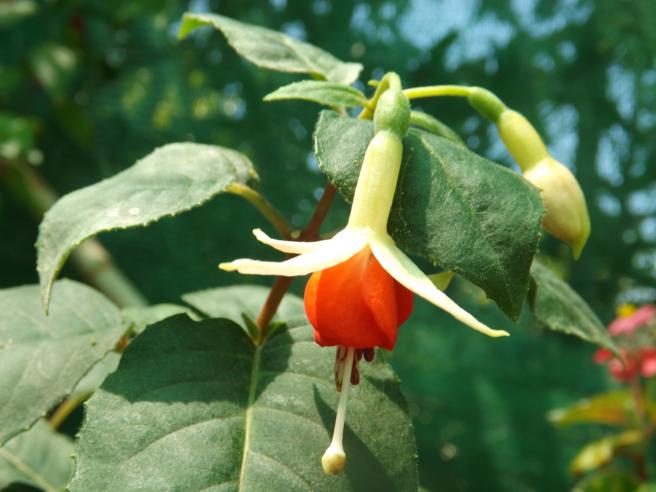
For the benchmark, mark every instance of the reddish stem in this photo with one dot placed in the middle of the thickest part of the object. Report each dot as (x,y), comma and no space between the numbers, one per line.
(281,284)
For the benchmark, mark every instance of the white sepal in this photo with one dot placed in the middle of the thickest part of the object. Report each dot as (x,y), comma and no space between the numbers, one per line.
(293,247)
(404,271)
(336,250)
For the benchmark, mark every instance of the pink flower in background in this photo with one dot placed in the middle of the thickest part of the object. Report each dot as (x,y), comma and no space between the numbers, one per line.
(637,353)
(629,324)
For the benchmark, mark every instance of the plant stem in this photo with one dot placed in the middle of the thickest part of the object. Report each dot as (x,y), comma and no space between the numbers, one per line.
(436,91)
(282,284)
(66,408)
(263,206)
(91,259)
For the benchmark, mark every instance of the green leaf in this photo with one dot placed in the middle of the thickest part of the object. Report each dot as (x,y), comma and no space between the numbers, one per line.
(200,407)
(98,373)
(39,457)
(274,50)
(452,207)
(43,357)
(599,453)
(556,306)
(139,318)
(613,408)
(172,179)
(321,92)
(431,124)
(238,300)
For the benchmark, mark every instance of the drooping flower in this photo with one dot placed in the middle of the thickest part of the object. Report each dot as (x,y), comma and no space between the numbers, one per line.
(361,286)
(360,291)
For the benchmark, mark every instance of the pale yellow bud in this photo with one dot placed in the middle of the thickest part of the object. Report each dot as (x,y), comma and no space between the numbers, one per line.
(521,139)
(566,214)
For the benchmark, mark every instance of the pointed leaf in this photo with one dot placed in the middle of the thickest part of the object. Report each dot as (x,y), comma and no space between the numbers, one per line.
(326,93)
(43,357)
(170,180)
(39,457)
(201,408)
(557,307)
(452,207)
(274,50)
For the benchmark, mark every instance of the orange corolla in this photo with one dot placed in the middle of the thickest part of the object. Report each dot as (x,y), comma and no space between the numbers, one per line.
(356,304)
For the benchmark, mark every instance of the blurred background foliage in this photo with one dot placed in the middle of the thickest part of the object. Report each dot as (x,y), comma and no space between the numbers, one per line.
(88,87)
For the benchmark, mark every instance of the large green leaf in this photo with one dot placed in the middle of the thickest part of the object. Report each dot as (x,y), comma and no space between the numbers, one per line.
(557,307)
(321,92)
(170,180)
(43,357)
(39,457)
(452,207)
(274,50)
(199,407)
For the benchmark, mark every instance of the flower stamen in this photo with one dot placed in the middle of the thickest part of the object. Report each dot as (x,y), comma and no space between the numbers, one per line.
(334,459)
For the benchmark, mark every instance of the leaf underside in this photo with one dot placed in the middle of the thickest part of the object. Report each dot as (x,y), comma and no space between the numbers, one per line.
(452,207)
(199,407)
(321,92)
(274,50)
(168,181)
(43,357)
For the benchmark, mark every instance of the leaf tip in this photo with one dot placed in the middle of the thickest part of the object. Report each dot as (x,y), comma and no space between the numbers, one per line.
(188,24)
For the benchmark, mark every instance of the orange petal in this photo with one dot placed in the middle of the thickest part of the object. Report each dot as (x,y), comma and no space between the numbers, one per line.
(356,304)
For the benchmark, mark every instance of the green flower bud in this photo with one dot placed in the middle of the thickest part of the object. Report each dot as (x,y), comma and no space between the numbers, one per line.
(566,212)
(392,112)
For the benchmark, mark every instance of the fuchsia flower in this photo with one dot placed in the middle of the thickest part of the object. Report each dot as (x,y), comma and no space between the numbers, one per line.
(637,350)
(361,287)
(629,324)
